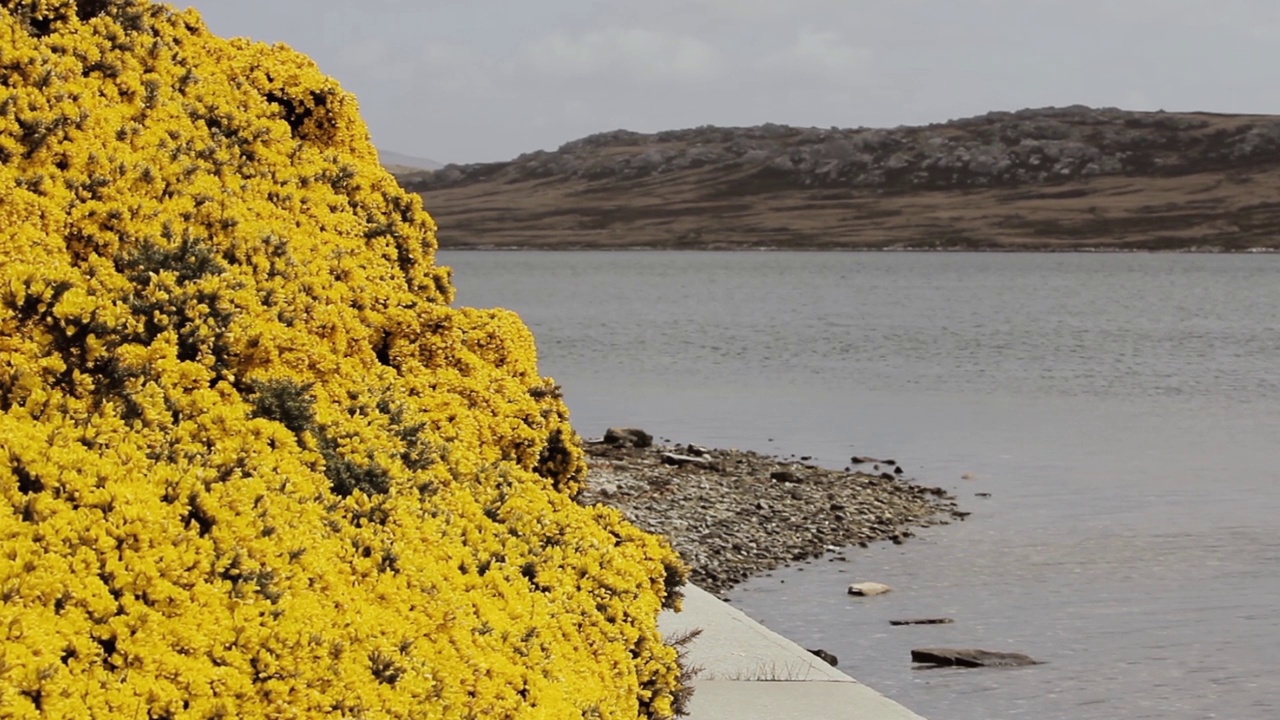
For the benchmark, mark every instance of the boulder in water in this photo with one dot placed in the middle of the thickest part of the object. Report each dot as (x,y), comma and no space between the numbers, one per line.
(869,588)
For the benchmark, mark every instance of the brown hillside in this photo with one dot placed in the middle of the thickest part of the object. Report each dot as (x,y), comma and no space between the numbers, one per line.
(1048,179)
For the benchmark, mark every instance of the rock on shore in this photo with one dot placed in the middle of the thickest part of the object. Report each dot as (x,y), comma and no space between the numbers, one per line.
(869,588)
(734,513)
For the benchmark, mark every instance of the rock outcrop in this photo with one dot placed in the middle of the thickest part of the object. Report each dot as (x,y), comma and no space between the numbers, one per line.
(1028,147)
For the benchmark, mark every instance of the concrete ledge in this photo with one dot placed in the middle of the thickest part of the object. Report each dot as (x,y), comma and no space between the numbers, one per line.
(729,700)
(751,672)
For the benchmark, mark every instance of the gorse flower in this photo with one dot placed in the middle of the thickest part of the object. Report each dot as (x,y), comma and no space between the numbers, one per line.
(252,462)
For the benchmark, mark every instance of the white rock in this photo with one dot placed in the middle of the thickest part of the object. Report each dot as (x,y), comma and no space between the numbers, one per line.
(682,460)
(869,588)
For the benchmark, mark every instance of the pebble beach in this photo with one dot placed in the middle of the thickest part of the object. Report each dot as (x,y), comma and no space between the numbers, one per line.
(733,514)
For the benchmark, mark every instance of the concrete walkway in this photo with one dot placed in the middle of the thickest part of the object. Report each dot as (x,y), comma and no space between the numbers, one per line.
(752,673)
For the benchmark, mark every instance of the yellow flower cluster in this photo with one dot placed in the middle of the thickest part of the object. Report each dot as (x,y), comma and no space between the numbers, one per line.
(252,463)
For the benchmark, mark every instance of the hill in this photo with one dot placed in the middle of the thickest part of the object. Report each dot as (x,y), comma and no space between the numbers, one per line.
(1039,179)
(401,164)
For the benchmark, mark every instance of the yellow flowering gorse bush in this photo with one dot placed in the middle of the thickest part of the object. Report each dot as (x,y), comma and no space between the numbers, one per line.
(252,463)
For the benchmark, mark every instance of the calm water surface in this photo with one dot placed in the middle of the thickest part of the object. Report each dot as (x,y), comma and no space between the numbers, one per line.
(1123,411)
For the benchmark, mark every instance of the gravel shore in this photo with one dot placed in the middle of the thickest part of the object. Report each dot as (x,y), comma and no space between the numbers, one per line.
(733,514)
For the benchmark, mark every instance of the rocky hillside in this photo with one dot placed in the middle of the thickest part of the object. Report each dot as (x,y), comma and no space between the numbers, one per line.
(1055,178)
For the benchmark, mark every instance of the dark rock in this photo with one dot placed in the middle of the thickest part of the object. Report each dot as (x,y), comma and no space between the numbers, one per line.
(897,470)
(982,495)
(868,460)
(970,657)
(887,476)
(922,621)
(628,437)
(832,660)
(785,476)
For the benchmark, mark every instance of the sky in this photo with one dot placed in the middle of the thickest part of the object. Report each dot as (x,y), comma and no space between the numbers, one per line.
(486,80)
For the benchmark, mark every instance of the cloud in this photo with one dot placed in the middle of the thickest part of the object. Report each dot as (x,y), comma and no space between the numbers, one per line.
(745,11)
(640,53)
(818,52)
(367,56)
(488,79)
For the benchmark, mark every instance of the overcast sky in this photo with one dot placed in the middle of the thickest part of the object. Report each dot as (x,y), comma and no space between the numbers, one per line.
(479,80)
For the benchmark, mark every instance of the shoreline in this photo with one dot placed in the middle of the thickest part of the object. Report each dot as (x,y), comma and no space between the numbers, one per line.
(735,514)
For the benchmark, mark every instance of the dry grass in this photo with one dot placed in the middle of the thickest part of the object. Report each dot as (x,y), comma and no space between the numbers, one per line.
(776,672)
(688,671)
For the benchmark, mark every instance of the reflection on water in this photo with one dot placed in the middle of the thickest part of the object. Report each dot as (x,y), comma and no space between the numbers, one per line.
(1123,411)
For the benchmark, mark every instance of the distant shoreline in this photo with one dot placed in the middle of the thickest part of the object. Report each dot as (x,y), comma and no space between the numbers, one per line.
(1070,179)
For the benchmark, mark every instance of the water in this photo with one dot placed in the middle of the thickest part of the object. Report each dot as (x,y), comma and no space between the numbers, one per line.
(1122,410)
